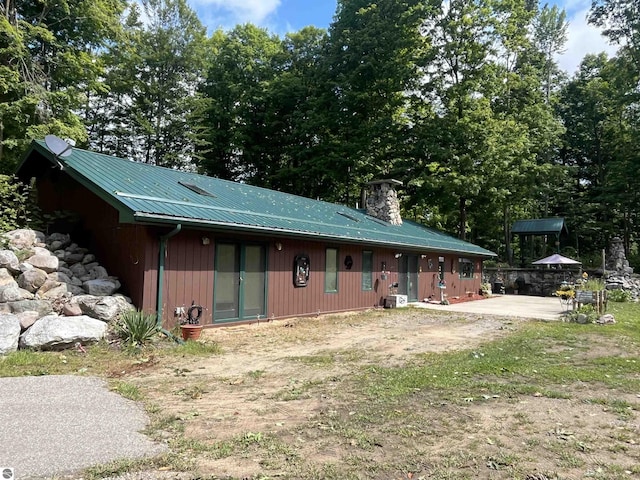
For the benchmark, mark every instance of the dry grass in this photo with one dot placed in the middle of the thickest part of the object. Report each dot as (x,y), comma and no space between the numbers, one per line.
(394,394)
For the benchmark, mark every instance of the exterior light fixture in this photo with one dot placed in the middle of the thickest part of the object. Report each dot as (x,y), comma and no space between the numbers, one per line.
(206,240)
(278,246)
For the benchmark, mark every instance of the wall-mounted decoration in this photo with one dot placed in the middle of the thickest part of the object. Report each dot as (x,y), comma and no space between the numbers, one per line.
(384,273)
(348,262)
(430,262)
(301,267)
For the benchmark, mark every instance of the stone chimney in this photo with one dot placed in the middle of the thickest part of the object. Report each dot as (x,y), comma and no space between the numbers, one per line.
(382,201)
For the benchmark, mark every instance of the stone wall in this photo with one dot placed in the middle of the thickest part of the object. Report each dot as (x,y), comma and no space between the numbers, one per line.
(530,281)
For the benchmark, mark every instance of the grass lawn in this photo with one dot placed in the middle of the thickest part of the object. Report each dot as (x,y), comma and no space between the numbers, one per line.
(316,399)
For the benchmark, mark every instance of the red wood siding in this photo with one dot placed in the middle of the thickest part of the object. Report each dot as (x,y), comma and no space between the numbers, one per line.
(188,275)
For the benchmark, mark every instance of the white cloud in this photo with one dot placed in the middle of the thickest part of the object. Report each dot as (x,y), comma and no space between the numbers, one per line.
(237,11)
(582,38)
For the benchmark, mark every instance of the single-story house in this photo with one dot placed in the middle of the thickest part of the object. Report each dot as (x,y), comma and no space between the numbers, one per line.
(245,253)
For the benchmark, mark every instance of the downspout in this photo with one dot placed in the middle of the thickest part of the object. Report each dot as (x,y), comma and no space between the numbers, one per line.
(162,254)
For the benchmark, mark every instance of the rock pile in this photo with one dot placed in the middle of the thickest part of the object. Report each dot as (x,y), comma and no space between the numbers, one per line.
(619,274)
(57,296)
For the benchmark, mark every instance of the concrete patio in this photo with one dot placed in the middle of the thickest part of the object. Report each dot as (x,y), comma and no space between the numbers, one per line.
(521,306)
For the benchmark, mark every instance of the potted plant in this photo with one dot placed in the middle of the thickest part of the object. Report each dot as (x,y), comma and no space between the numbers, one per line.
(566,293)
(190,326)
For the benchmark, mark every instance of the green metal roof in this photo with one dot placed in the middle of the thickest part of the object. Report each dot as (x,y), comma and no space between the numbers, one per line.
(539,226)
(148,194)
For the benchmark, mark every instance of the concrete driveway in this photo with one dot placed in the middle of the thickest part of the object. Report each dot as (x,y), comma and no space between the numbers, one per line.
(59,424)
(521,306)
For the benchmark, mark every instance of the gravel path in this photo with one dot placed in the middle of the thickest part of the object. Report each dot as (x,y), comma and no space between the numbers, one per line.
(56,425)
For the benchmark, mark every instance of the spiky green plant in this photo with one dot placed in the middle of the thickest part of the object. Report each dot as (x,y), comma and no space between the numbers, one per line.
(137,328)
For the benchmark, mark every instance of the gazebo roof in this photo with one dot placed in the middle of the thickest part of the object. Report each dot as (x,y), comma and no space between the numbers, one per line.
(540,226)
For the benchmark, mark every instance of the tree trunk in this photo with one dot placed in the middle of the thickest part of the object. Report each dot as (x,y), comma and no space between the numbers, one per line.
(507,236)
(462,234)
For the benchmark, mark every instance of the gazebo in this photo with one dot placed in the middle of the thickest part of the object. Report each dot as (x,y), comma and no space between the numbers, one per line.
(528,230)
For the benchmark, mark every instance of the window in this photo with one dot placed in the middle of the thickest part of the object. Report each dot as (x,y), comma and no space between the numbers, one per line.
(331,270)
(367,270)
(465,266)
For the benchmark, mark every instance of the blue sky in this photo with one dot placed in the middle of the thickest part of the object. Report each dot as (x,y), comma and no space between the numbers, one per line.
(281,16)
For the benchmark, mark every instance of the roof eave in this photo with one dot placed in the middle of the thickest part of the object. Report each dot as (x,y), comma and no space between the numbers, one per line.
(151,219)
(124,212)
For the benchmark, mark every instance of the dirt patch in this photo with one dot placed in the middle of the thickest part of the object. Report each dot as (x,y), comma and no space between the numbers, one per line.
(279,397)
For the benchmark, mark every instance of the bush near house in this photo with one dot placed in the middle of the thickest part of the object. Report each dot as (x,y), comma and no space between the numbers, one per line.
(14,204)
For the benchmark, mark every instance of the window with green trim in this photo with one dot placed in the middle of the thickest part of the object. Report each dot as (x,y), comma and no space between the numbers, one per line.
(331,270)
(367,270)
(465,267)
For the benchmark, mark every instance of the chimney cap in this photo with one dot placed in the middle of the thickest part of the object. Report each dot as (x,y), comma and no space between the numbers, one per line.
(390,181)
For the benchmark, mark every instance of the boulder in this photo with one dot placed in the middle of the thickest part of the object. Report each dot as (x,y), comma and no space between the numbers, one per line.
(59,277)
(54,332)
(24,266)
(58,241)
(42,251)
(9,333)
(41,306)
(9,260)
(13,293)
(98,273)
(5,277)
(101,286)
(90,265)
(31,280)
(606,318)
(74,257)
(48,263)
(78,270)
(24,238)
(71,310)
(89,258)
(27,318)
(46,286)
(65,270)
(60,254)
(106,309)
(60,290)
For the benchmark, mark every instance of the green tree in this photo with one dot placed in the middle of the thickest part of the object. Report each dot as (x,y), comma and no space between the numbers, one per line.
(152,78)
(620,20)
(232,131)
(549,38)
(48,62)
(371,68)
(600,147)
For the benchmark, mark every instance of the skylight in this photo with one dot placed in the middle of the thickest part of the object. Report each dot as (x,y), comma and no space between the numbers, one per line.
(350,217)
(195,188)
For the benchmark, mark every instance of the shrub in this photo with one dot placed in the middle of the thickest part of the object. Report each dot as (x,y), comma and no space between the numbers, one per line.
(584,314)
(619,295)
(14,200)
(137,328)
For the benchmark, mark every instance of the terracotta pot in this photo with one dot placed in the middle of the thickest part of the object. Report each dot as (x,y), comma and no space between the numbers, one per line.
(191,332)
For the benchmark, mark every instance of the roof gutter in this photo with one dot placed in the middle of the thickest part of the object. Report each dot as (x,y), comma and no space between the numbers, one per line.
(155,219)
(162,254)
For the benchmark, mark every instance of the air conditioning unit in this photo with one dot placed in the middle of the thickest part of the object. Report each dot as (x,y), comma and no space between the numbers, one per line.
(396,301)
